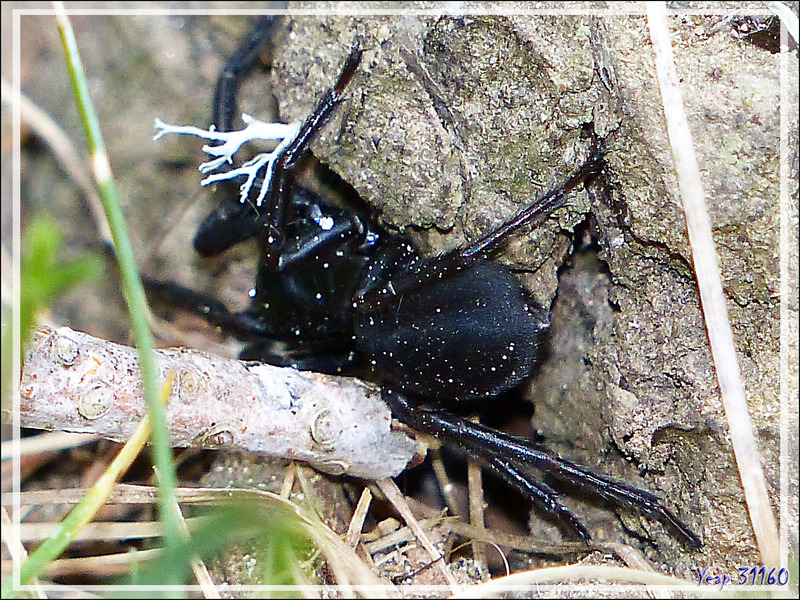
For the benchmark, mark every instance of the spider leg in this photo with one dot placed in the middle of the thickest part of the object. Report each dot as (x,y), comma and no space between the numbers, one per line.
(233,222)
(542,206)
(605,487)
(244,325)
(541,493)
(432,270)
(242,61)
(281,183)
(325,107)
(508,455)
(322,356)
(444,426)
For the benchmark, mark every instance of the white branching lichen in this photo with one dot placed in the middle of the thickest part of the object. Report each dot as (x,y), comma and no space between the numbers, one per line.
(231,142)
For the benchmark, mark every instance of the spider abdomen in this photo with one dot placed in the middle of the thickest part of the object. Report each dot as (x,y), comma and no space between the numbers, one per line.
(476,333)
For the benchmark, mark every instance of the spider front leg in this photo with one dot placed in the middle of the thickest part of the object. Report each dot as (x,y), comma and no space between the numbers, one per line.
(268,184)
(233,221)
(239,65)
(281,183)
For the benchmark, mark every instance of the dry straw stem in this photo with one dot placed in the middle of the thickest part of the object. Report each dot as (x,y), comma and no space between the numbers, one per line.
(64,151)
(72,381)
(393,494)
(569,575)
(348,569)
(709,281)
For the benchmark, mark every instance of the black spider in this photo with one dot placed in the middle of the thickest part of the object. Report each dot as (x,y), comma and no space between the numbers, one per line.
(335,292)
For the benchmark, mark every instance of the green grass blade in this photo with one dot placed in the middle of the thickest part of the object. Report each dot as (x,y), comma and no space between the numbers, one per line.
(132,289)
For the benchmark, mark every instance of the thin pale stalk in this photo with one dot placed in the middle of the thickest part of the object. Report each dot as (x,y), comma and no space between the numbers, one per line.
(712,297)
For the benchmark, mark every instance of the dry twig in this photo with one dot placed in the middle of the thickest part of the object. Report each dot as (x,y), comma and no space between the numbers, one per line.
(74,382)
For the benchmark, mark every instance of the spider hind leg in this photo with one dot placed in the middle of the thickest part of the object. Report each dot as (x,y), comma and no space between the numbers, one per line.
(512,458)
